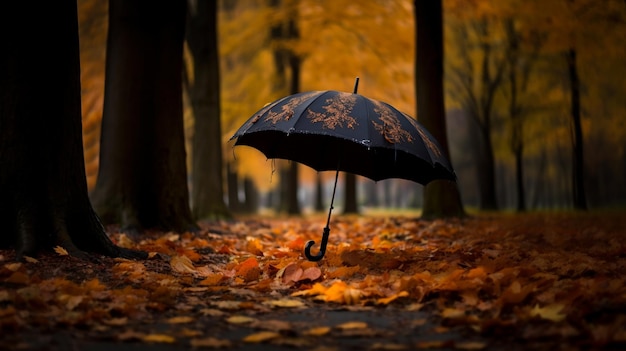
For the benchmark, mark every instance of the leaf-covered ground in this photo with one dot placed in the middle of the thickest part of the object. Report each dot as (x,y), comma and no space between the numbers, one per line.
(500,281)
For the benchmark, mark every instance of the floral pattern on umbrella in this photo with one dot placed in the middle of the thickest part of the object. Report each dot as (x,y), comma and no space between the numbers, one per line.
(391,128)
(337,112)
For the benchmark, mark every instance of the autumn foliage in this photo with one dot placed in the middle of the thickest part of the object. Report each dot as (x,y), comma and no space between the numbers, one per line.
(518,278)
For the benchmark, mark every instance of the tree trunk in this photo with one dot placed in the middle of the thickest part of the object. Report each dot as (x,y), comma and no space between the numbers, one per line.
(578,170)
(42,183)
(233,189)
(142,179)
(293,205)
(319,192)
(486,170)
(349,188)
(441,197)
(207,167)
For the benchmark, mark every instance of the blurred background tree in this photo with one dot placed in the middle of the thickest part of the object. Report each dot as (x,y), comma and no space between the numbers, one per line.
(510,126)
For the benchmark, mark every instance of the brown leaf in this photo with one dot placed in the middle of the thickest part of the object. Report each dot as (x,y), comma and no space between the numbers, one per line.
(182,264)
(213,343)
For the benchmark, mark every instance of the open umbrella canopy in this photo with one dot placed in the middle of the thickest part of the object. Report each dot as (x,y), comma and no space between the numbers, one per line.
(332,130)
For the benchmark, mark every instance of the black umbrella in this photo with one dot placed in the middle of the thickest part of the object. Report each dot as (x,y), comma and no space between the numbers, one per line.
(332,130)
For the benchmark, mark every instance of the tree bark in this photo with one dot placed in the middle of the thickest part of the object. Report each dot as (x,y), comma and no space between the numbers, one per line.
(578,170)
(349,195)
(441,197)
(43,185)
(142,178)
(207,166)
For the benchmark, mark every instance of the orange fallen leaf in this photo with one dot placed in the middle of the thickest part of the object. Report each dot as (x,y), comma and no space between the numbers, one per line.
(180,320)
(261,337)
(388,300)
(352,325)
(158,338)
(317,331)
(212,279)
(60,251)
(249,269)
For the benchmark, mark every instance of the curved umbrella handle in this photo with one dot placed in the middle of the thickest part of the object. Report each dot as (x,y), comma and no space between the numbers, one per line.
(320,254)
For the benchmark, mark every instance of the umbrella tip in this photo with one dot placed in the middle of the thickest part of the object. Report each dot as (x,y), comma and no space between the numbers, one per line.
(356,85)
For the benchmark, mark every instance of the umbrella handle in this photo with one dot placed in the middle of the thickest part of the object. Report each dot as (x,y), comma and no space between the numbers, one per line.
(310,243)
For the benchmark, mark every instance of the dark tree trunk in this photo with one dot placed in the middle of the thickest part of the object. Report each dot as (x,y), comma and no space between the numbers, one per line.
(441,197)
(319,193)
(293,206)
(251,203)
(233,189)
(207,167)
(291,195)
(349,195)
(142,179)
(578,170)
(42,183)
(486,169)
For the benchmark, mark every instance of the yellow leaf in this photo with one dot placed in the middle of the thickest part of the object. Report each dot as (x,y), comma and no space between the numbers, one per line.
(240,319)
(352,325)
(30,259)
(210,343)
(180,320)
(261,337)
(317,331)
(387,300)
(162,338)
(61,251)
(286,303)
(452,313)
(182,264)
(550,312)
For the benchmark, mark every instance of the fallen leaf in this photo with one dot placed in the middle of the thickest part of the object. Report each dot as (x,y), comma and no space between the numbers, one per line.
(158,338)
(317,331)
(30,259)
(311,273)
(550,312)
(285,303)
(210,342)
(182,264)
(388,300)
(261,337)
(180,320)
(240,319)
(291,273)
(13,267)
(352,325)
(60,251)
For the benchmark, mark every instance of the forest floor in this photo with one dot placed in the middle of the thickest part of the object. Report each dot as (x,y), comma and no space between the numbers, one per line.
(388,282)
